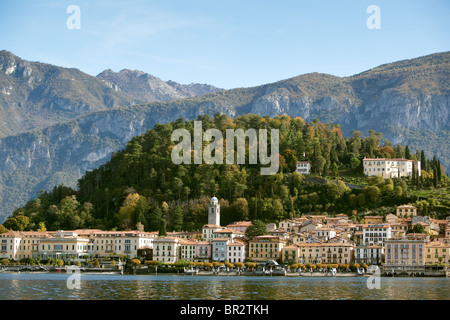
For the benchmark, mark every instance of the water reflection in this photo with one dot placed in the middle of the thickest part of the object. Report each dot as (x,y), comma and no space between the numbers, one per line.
(165,287)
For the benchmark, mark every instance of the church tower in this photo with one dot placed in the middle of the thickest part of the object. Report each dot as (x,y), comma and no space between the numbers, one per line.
(214,212)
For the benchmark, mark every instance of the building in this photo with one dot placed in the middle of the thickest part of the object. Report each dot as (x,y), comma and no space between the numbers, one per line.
(437,252)
(406,211)
(227,233)
(236,251)
(208,231)
(310,225)
(370,255)
(405,255)
(303,167)
(65,245)
(337,253)
(373,219)
(167,249)
(376,234)
(288,225)
(16,245)
(188,251)
(203,251)
(290,254)
(214,212)
(239,225)
(390,168)
(310,253)
(399,229)
(107,243)
(219,249)
(266,247)
(325,234)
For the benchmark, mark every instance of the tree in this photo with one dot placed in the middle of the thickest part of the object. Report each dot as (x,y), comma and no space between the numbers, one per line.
(335,169)
(336,189)
(258,228)
(319,164)
(162,229)
(18,223)
(417,228)
(177,220)
(126,212)
(42,227)
(135,262)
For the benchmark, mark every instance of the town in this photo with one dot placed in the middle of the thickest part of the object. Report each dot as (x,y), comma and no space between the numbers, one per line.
(402,243)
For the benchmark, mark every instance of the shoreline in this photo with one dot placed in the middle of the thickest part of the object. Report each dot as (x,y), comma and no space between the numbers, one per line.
(221,274)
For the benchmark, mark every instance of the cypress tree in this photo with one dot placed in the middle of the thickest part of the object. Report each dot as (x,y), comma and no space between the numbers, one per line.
(423,160)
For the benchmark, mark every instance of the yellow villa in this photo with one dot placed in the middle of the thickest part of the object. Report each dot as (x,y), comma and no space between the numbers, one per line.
(266,247)
(437,252)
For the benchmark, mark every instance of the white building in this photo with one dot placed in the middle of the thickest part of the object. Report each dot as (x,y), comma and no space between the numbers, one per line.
(376,234)
(167,249)
(235,251)
(208,231)
(65,245)
(303,167)
(390,168)
(370,255)
(325,233)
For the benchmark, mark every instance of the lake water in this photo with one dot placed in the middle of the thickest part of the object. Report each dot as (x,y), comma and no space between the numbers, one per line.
(50,286)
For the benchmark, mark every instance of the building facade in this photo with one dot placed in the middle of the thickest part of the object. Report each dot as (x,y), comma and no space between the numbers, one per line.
(390,168)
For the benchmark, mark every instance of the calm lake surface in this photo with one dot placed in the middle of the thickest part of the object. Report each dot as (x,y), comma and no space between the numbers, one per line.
(49,286)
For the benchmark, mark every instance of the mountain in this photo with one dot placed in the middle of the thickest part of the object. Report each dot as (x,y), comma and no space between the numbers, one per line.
(36,95)
(148,88)
(407,101)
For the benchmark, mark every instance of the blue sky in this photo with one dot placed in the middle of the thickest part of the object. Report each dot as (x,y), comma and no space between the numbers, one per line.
(228,43)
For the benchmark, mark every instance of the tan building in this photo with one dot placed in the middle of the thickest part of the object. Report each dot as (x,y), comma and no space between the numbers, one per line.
(313,253)
(290,254)
(406,211)
(239,225)
(340,253)
(16,245)
(390,168)
(107,243)
(373,219)
(265,248)
(437,252)
(310,253)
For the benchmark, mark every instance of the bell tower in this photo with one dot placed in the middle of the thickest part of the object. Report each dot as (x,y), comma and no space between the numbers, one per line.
(214,212)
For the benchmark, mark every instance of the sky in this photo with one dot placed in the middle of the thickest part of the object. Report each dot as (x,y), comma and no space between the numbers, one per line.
(227,43)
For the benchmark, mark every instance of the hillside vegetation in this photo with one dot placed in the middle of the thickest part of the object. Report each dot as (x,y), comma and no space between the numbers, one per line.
(141,185)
